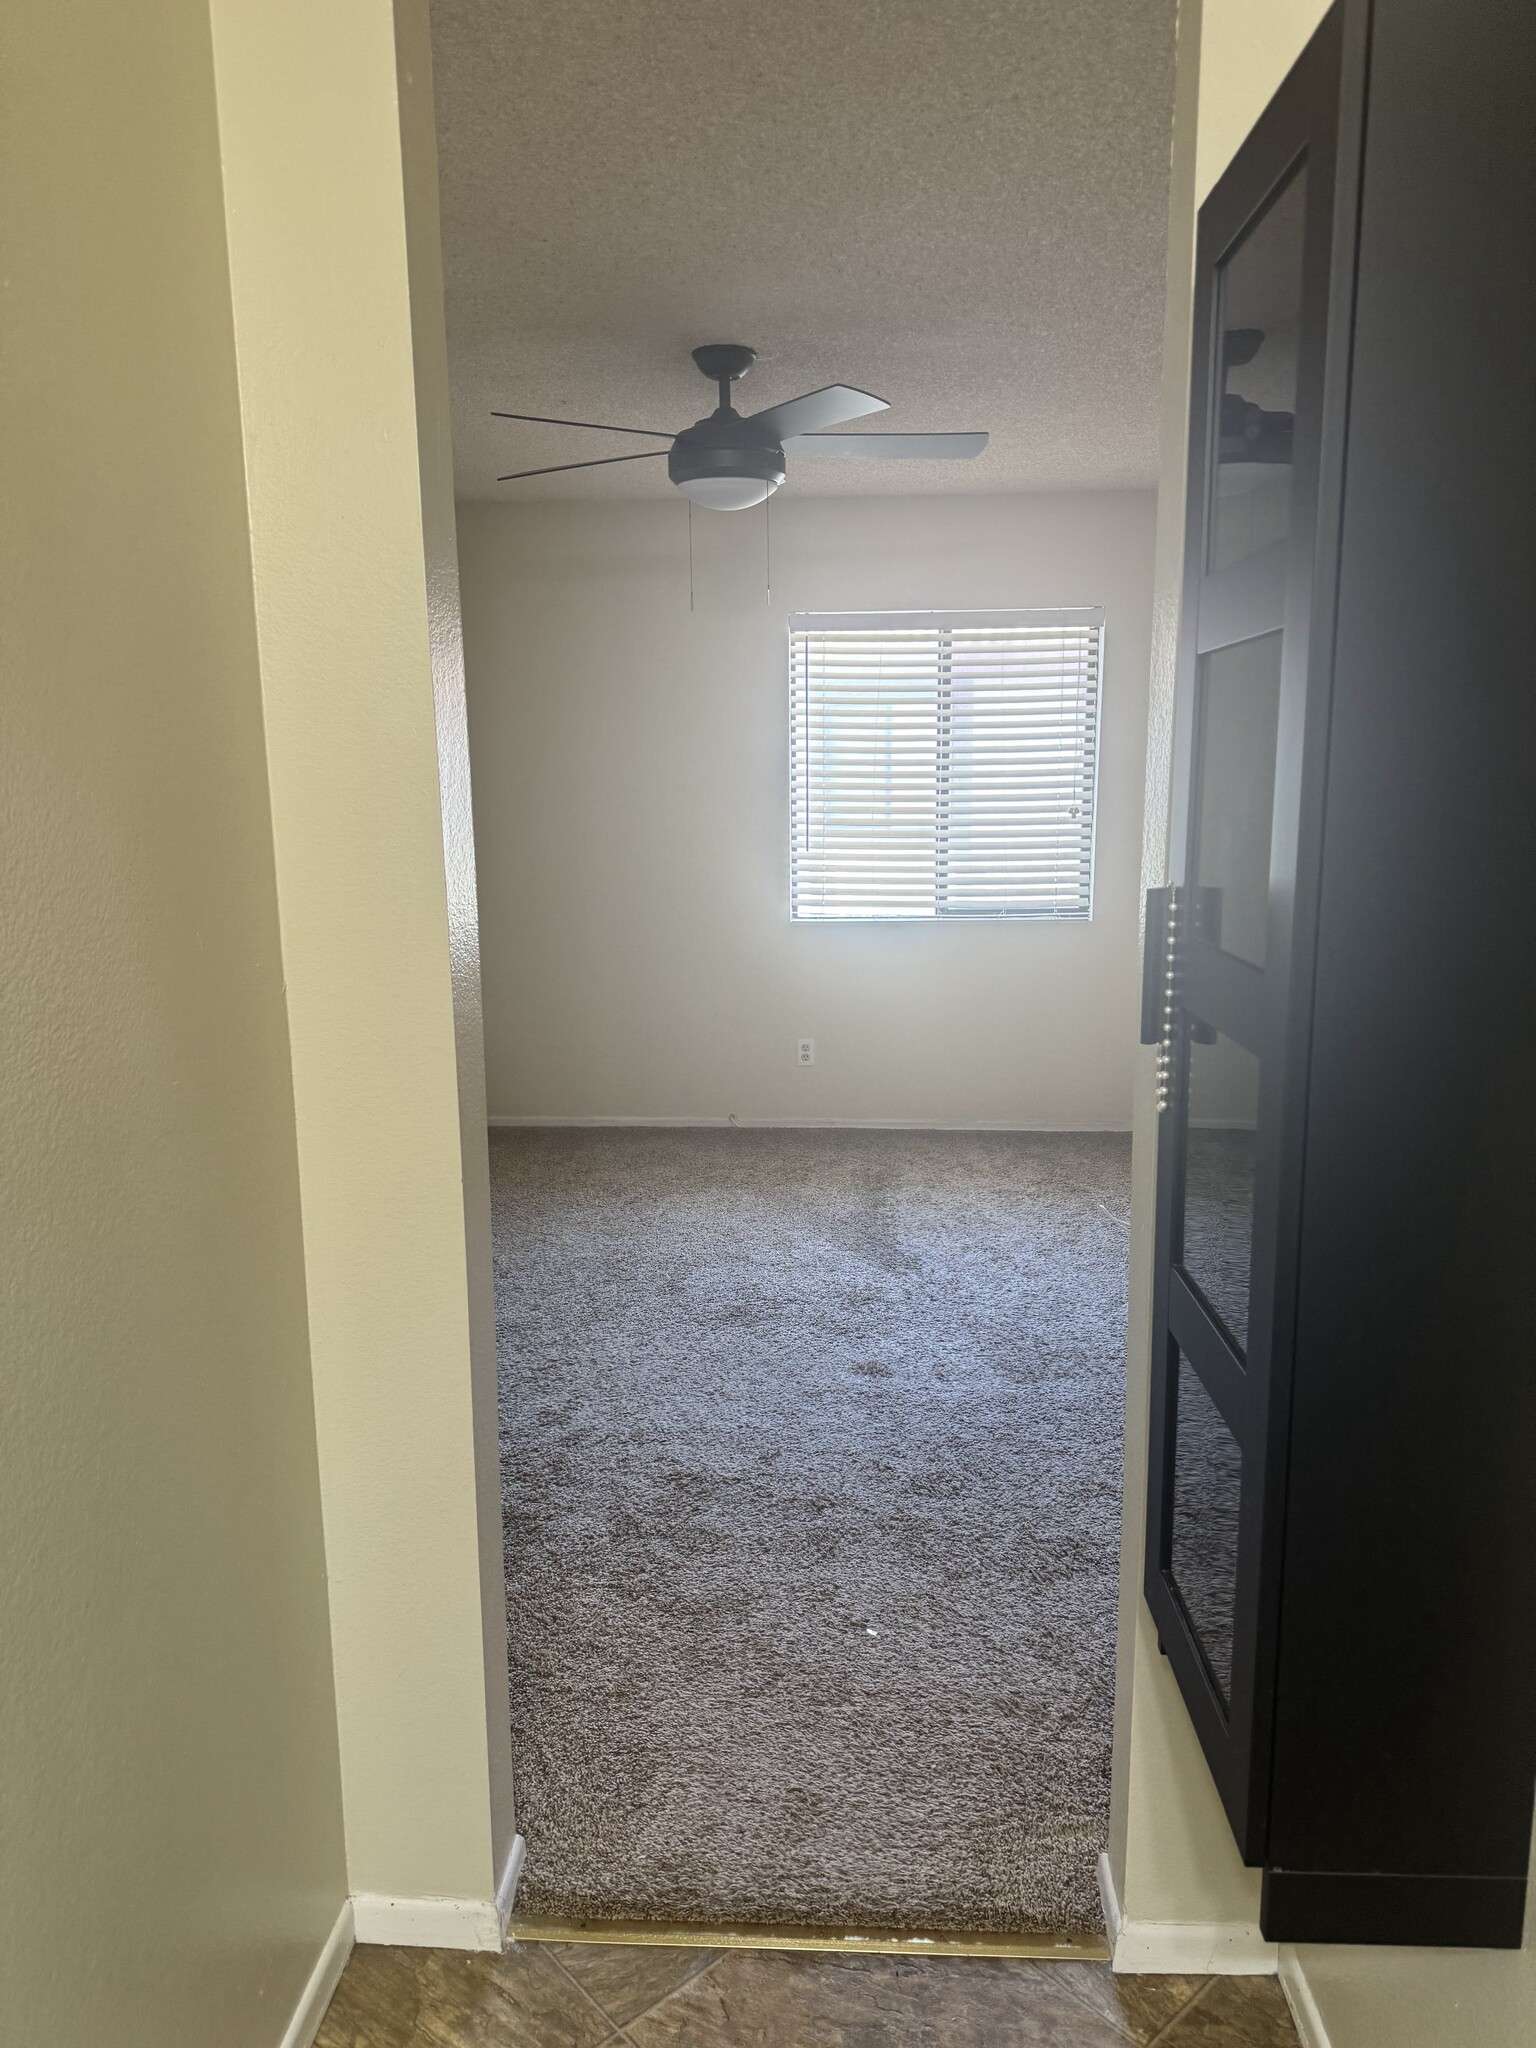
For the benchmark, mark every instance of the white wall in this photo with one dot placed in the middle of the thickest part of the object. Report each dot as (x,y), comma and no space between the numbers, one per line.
(631,816)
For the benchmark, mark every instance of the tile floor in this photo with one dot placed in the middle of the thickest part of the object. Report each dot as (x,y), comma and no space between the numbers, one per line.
(588,1995)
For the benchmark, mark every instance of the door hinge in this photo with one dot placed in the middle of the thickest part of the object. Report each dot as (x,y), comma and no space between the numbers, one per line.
(1159,984)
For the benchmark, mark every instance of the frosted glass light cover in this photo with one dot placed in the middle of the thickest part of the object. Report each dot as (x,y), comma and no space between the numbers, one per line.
(727,493)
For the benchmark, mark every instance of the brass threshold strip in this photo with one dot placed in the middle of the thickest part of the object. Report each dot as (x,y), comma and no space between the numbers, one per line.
(873,1941)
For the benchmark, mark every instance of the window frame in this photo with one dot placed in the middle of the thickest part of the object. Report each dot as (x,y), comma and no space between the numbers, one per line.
(937,620)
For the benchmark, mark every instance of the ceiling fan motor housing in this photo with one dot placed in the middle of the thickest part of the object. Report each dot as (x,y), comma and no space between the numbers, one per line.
(726,448)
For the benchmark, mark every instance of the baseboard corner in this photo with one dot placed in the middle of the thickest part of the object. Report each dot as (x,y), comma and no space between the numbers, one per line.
(323,1979)
(384,1920)
(1300,1998)
(1182,1948)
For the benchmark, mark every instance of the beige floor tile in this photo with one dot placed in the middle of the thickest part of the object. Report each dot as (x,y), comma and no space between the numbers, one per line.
(765,2000)
(377,2003)
(576,1994)
(627,1979)
(1236,2012)
(1140,2006)
(444,1998)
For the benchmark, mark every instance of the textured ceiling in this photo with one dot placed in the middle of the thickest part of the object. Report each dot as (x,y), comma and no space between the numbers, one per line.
(958,204)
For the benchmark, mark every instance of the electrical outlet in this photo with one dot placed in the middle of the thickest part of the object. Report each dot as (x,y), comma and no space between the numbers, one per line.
(805,1052)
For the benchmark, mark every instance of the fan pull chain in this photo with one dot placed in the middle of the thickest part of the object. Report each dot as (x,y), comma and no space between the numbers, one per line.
(690,554)
(768,552)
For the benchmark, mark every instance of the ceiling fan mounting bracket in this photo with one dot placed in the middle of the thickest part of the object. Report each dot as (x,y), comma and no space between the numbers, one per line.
(725,360)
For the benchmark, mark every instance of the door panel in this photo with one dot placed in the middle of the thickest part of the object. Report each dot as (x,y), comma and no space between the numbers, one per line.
(1237,729)
(1207,1498)
(1258,291)
(1221,1116)
(1234,932)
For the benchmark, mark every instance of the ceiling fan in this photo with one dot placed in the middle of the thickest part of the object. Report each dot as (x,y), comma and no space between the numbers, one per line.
(728,462)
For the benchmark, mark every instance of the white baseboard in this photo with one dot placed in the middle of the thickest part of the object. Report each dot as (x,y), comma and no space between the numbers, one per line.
(1194,1948)
(1298,1996)
(323,1979)
(1182,1948)
(426,1923)
(778,1123)
(440,1923)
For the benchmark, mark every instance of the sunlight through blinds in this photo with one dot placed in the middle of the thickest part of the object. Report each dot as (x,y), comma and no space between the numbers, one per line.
(943,764)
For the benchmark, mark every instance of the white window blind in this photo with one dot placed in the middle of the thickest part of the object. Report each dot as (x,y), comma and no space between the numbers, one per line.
(943,764)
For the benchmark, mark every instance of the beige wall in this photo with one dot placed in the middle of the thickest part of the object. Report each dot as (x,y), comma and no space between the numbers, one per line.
(1417,1998)
(1245,48)
(1171,1852)
(343,398)
(631,774)
(170,1813)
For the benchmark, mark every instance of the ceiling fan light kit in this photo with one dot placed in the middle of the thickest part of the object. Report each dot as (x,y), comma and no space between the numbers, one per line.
(728,462)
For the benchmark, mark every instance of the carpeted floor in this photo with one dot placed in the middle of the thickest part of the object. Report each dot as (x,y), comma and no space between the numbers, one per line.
(811,1468)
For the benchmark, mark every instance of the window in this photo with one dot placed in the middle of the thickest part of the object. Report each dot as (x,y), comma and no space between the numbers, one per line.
(942,764)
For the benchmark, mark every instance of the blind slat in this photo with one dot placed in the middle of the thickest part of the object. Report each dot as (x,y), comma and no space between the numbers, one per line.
(944,769)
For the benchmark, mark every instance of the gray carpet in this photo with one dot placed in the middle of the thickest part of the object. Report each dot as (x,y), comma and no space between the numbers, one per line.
(811,1469)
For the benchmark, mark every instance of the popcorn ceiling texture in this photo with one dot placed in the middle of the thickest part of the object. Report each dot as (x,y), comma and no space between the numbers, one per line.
(958,204)
(811,1471)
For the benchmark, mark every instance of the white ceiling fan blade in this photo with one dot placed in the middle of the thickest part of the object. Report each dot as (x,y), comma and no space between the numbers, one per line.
(826,408)
(889,447)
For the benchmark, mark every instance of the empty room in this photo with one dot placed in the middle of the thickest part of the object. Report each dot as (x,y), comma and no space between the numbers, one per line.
(767,1197)
(808,755)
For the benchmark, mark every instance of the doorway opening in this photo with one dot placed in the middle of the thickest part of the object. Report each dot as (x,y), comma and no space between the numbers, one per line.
(810,1212)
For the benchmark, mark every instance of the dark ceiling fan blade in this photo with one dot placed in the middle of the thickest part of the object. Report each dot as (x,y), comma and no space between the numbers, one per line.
(889,447)
(828,407)
(538,419)
(648,455)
